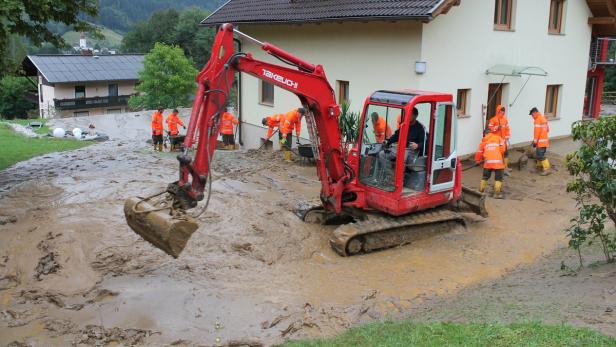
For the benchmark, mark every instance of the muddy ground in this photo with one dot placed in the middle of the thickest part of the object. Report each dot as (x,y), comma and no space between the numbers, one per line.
(72,272)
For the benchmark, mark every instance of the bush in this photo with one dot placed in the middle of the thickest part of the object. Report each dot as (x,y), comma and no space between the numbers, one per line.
(593,167)
(13,102)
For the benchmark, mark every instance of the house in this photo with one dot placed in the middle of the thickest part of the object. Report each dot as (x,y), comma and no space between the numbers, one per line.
(82,85)
(519,53)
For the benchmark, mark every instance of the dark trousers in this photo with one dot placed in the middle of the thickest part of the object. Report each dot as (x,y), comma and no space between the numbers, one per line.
(498,174)
(540,153)
(157,139)
(289,140)
(228,139)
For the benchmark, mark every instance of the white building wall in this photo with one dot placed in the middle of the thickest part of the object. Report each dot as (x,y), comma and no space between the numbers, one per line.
(67,91)
(46,105)
(461,45)
(371,56)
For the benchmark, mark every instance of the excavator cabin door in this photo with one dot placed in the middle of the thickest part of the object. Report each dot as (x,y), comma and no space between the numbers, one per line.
(443,151)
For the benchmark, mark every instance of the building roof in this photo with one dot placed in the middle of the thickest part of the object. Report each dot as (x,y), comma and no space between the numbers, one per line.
(83,68)
(301,11)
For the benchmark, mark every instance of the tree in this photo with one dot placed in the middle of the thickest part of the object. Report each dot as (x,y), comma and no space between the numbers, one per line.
(167,79)
(159,28)
(593,167)
(195,40)
(13,103)
(30,19)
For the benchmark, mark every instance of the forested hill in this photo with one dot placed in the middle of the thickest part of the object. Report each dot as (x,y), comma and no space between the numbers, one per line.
(120,15)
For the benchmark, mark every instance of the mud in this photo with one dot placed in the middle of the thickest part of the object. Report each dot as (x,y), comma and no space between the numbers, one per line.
(72,272)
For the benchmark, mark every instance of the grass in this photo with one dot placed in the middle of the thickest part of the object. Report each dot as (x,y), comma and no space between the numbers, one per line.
(15,147)
(454,334)
(111,40)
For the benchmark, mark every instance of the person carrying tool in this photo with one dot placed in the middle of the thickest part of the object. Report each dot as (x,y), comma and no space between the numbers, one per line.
(540,141)
(500,125)
(226,129)
(491,152)
(271,122)
(292,119)
(172,124)
(157,129)
(381,128)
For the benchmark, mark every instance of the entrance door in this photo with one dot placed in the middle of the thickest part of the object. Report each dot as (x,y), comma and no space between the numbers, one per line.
(495,95)
(444,157)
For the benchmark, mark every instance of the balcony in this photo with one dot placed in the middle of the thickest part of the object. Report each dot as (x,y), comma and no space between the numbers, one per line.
(95,102)
(603,52)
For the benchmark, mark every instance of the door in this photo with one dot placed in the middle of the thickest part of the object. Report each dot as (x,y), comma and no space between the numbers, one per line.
(495,95)
(590,96)
(444,158)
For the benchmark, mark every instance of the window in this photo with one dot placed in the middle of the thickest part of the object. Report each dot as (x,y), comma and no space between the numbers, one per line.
(80,92)
(551,100)
(502,14)
(81,114)
(113,89)
(343,92)
(266,91)
(556,16)
(114,110)
(463,102)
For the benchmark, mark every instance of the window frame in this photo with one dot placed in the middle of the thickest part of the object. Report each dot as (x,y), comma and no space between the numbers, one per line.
(498,15)
(552,98)
(462,112)
(84,92)
(343,86)
(560,14)
(117,89)
(263,83)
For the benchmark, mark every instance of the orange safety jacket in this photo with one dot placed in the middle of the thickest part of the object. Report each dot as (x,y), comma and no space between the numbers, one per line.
(292,119)
(157,123)
(542,131)
(172,123)
(500,125)
(491,151)
(381,130)
(226,126)
(273,122)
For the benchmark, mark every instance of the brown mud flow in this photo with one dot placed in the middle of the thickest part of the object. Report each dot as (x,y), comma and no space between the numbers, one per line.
(71,271)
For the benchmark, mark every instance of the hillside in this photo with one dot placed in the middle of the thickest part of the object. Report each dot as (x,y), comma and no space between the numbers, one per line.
(112,39)
(121,15)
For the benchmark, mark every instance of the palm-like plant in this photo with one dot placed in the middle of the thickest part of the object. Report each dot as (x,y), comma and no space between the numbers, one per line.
(349,125)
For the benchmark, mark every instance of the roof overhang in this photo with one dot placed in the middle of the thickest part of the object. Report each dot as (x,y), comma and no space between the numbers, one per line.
(603,18)
(515,70)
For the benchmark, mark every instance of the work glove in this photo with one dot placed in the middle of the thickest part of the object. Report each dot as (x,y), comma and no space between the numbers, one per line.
(297,142)
(534,145)
(283,141)
(183,126)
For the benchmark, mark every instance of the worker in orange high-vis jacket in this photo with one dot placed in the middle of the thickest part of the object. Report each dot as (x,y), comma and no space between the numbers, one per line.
(172,125)
(491,152)
(500,125)
(226,129)
(271,122)
(540,141)
(292,120)
(380,127)
(157,129)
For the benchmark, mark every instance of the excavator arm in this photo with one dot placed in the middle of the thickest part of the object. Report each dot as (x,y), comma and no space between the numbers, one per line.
(168,226)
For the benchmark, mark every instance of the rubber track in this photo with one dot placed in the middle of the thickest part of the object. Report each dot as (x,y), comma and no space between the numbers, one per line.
(370,230)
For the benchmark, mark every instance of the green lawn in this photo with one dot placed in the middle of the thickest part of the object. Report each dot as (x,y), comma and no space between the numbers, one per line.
(453,334)
(15,147)
(43,130)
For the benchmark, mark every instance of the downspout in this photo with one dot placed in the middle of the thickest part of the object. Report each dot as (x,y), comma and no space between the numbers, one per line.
(239,97)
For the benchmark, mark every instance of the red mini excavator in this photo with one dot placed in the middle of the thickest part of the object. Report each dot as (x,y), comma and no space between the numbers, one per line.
(386,192)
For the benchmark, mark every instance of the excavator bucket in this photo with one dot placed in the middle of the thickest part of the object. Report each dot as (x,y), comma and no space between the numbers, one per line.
(475,200)
(165,231)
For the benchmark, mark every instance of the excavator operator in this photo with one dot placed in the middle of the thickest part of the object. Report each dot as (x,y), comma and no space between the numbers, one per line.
(416,137)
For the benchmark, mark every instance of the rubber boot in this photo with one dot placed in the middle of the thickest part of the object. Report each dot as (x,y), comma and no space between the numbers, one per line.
(482,185)
(545,165)
(155,147)
(288,155)
(538,165)
(498,186)
(507,171)
(160,147)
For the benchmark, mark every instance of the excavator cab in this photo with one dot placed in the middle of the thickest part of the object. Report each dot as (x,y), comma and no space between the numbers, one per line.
(407,149)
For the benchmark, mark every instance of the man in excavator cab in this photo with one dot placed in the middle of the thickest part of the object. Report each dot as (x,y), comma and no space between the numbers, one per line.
(414,154)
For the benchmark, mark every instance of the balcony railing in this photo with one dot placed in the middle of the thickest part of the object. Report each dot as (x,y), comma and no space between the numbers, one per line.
(94,102)
(603,52)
